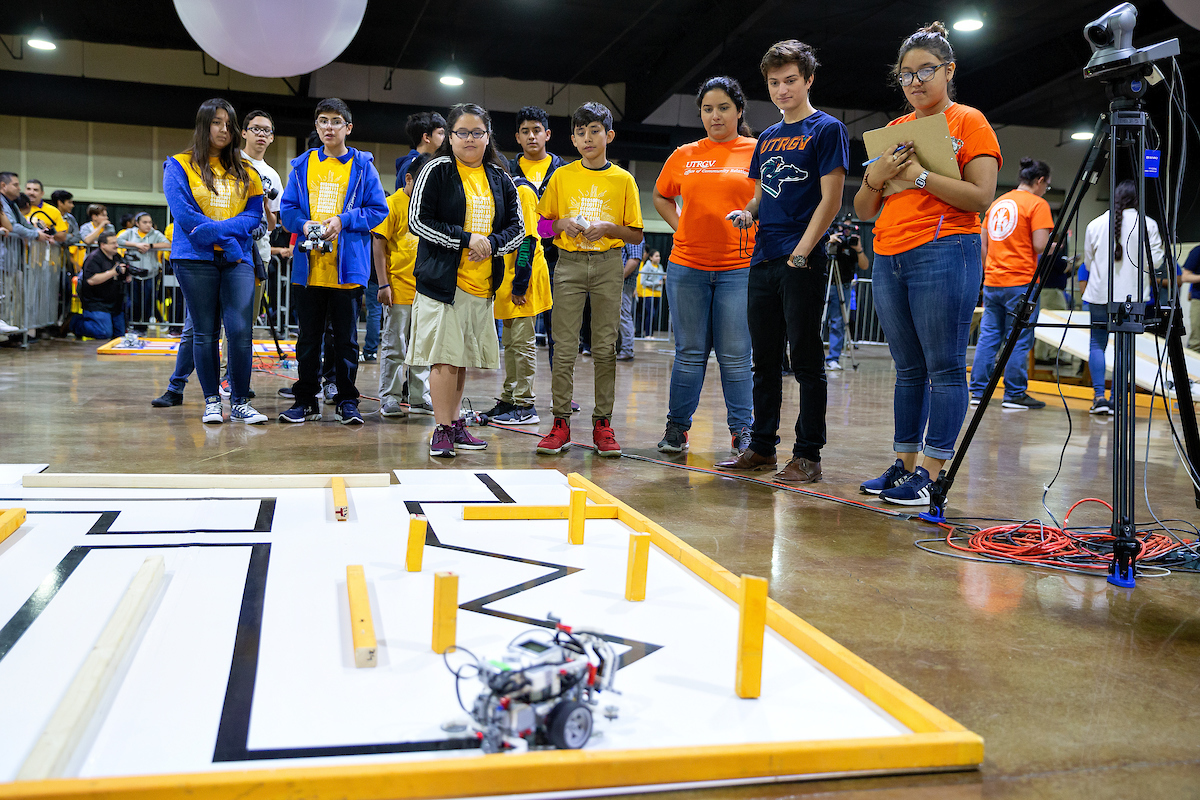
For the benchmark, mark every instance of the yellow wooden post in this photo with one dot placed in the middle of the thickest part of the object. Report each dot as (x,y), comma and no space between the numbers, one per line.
(417,526)
(445,610)
(635,572)
(10,520)
(752,622)
(341,506)
(576,516)
(362,628)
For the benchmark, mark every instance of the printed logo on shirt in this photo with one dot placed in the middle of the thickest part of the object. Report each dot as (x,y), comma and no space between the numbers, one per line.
(786,143)
(329,199)
(222,195)
(775,172)
(956,143)
(1002,220)
(479,215)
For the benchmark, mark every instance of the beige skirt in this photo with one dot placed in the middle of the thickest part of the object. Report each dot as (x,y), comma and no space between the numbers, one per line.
(461,335)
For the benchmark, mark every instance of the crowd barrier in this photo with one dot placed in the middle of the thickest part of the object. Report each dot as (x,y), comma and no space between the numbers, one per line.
(33,276)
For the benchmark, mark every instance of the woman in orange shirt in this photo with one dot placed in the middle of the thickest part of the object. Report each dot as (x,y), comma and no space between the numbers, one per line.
(709,267)
(928,269)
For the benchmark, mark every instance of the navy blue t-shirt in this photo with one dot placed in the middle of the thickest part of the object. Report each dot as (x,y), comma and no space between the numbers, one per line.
(790,159)
(1192,264)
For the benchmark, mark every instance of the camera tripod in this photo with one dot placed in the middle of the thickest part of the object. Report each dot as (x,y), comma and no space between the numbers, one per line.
(1122,129)
(841,293)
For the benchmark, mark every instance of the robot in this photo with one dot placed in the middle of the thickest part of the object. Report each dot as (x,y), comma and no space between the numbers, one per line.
(541,691)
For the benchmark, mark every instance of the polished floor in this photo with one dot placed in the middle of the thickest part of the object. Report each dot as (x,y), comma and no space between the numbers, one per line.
(1080,690)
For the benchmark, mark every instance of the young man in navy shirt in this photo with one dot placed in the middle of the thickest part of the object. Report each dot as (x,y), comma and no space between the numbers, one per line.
(800,166)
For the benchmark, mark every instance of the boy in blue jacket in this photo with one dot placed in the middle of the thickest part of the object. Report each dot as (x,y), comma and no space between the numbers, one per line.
(333,189)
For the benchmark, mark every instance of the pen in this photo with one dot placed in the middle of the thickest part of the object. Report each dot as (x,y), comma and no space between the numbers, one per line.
(871,161)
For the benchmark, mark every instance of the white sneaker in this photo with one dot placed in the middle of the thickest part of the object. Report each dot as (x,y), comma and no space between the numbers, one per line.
(833,364)
(6,328)
(212,411)
(244,412)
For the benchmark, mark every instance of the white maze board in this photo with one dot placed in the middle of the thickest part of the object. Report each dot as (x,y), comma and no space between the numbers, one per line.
(245,658)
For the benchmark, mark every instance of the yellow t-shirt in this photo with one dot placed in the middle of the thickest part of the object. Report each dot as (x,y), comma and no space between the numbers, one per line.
(328,181)
(475,277)
(534,171)
(401,249)
(537,296)
(49,215)
(229,199)
(598,195)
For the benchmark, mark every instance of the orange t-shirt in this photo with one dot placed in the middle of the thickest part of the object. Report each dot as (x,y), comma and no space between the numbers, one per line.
(1011,221)
(915,217)
(713,178)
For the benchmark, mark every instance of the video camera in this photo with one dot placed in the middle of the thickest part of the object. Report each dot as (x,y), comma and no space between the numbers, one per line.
(313,241)
(124,268)
(846,231)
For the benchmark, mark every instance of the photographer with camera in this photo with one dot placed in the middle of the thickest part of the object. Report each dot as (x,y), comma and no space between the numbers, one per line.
(141,243)
(258,132)
(102,293)
(844,249)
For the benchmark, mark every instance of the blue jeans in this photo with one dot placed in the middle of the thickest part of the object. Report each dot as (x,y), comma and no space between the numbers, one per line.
(1099,341)
(217,291)
(708,311)
(1000,305)
(833,316)
(374,319)
(99,325)
(924,298)
(185,359)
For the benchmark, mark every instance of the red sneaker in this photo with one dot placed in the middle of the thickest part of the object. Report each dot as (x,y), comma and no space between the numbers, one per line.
(557,440)
(605,440)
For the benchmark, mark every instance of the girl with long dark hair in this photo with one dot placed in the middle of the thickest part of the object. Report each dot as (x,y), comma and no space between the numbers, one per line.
(709,267)
(467,215)
(927,269)
(215,199)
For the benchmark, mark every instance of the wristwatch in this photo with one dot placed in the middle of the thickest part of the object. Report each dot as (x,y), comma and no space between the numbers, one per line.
(799,262)
(920,181)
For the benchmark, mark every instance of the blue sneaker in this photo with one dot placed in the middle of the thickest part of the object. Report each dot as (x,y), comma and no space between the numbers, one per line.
(914,491)
(301,413)
(894,476)
(347,413)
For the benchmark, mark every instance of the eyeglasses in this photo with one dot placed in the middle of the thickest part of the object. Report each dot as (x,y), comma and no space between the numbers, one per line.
(464,134)
(922,75)
(260,131)
(332,124)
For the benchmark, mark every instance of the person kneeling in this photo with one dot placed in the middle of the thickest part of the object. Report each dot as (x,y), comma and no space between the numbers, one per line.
(465,212)
(102,293)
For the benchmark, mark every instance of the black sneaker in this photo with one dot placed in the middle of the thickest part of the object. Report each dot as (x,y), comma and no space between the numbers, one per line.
(675,439)
(1101,406)
(1022,401)
(499,409)
(286,391)
(167,400)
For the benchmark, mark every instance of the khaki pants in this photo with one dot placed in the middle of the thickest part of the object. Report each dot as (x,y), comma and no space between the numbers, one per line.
(393,348)
(576,277)
(1193,340)
(520,361)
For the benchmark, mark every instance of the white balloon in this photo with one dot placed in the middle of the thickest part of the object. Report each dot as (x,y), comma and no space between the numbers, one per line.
(272,38)
(1186,10)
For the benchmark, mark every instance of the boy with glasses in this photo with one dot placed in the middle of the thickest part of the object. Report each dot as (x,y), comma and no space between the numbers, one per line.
(334,195)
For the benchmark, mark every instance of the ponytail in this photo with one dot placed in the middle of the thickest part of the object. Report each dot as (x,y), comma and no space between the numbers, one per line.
(1126,197)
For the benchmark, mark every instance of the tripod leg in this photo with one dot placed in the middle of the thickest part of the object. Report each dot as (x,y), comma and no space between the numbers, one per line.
(847,338)
(1183,394)
(1126,546)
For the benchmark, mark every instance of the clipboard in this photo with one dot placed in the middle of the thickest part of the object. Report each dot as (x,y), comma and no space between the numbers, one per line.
(931,140)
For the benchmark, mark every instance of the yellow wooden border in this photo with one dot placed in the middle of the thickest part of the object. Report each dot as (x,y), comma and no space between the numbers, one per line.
(113,348)
(938,742)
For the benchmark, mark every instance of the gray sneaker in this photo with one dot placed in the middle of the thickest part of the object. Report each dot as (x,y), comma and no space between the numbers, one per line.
(518,415)
(420,410)
(675,439)
(330,394)
(740,442)
(391,408)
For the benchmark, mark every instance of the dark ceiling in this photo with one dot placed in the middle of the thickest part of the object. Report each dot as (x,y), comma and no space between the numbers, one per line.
(1024,67)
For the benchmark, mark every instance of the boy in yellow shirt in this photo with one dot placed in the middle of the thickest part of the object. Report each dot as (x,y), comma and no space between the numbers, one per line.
(523,295)
(395,250)
(592,208)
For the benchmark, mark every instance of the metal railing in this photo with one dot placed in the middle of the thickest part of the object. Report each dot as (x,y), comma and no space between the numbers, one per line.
(32,277)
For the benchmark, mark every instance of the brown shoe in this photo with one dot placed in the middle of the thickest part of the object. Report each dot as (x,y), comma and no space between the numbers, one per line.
(748,461)
(799,470)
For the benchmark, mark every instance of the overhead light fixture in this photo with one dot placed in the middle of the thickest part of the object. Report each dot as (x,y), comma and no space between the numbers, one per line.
(40,39)
(451,78)
(1081,136)
(970,22)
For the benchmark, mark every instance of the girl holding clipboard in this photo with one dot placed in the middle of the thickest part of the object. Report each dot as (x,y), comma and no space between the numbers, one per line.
(927,269)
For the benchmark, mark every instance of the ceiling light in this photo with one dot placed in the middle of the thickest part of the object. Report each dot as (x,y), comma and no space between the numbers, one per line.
(1081,136)
(968,23)
(40,39)
(451,77)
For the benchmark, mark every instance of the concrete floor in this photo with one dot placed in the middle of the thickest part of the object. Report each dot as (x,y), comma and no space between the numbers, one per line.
(1080,690)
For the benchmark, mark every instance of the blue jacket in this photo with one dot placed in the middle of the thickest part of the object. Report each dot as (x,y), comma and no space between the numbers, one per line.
(196,234)
(366,207)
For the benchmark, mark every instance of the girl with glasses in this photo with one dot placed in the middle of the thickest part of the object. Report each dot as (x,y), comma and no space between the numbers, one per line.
(928,267)
(467,215)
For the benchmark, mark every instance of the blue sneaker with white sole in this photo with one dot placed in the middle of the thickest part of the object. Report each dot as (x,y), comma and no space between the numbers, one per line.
(893,477)
(914,491)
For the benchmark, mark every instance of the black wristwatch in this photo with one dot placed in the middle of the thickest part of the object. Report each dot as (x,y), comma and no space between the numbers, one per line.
(799,262)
